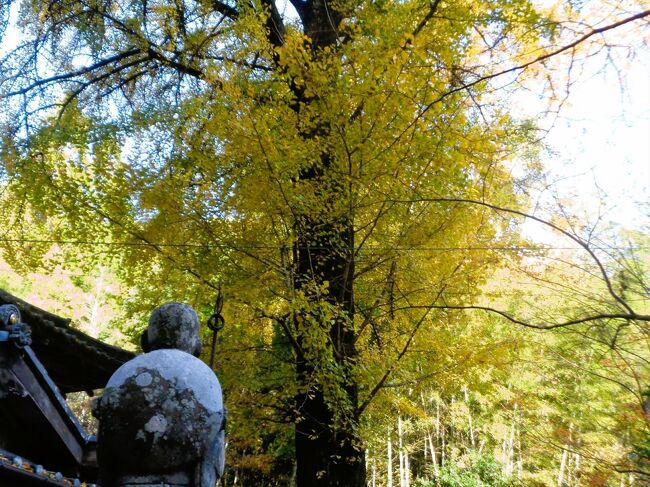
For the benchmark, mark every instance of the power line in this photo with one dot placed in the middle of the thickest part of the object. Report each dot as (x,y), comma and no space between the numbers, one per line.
(514,248)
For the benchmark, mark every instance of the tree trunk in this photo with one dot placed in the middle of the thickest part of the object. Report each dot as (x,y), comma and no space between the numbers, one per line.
(328,448)
(438,438)
(520,460)
(560,475)
(469,418)
(407,470)
(441,431)
(402,473)
(327,454)
(390,461)
(434,459)
(404,469)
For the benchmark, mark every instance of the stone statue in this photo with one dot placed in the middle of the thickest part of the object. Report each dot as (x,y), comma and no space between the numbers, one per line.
(161,417)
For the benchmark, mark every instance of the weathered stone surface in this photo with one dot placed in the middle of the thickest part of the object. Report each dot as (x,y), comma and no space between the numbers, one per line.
(161,417)
(173,325)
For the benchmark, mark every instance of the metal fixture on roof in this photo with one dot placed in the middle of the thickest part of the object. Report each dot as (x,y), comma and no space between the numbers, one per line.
(11,327)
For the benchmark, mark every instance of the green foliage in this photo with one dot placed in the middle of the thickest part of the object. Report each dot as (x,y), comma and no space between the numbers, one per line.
(482,471)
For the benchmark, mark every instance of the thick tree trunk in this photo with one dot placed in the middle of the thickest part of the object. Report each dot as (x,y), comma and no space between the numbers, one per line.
(328,448)
(325,456)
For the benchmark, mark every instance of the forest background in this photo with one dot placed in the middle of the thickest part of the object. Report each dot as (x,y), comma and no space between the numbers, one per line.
(360,180)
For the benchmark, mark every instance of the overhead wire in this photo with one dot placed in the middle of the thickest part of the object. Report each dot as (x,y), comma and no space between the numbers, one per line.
(512,248)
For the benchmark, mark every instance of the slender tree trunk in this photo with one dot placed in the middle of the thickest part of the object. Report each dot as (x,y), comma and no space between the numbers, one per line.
(434,459)
(402,477)
(443,443)
(426,449)
(95,305)
(390,461)
(407,470)
(469,418)
(439,440)
(508,447)
(292,479)
(560,475)
(520,461)
(451,441)
(511,451)
(504,456)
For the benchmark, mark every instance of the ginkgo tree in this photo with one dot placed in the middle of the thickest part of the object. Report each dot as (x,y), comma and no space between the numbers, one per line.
(342,169)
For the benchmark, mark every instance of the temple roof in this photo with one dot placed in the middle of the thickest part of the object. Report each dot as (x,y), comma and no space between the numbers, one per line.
(74,360)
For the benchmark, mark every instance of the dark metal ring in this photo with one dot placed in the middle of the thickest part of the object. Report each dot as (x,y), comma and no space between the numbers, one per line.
(216,322)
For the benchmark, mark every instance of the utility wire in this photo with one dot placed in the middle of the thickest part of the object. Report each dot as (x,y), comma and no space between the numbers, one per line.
(514,248)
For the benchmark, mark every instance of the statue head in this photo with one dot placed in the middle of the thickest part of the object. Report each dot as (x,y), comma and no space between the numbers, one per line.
(173,325)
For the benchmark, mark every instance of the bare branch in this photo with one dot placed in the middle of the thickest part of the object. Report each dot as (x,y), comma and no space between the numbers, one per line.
(180,67)
(274,23)
(585,245)
(538,59)
(77,73)
(225,9)
(96,79)
(427,17)
(550,326)
(513,69)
